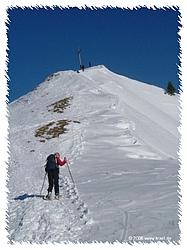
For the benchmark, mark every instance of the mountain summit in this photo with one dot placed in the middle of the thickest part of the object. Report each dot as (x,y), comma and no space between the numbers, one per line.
(121,138)
(139,117)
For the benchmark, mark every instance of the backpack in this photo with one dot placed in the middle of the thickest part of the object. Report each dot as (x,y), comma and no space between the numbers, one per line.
(51,162)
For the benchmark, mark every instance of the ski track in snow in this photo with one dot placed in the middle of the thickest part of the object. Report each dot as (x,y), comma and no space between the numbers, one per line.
(125,225)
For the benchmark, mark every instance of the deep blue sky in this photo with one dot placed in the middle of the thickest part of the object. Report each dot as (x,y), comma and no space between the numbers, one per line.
(140,44)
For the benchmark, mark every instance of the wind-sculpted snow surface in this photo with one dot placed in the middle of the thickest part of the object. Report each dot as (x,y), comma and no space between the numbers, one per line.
(121,141)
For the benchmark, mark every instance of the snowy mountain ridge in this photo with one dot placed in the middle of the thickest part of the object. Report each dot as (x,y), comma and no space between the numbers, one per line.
(112,130)
(124,97)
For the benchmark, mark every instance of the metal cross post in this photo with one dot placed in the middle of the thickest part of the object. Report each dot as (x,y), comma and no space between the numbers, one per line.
(79,54)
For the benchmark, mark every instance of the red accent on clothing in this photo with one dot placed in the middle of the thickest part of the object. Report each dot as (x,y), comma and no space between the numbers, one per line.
(60,162)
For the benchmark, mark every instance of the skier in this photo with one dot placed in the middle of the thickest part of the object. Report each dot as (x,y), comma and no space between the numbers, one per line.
(52,169)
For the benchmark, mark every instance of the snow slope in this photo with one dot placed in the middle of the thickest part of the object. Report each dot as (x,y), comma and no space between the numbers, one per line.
(121,143)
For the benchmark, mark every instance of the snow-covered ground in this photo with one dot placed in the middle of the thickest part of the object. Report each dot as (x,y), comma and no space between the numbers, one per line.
(121,143)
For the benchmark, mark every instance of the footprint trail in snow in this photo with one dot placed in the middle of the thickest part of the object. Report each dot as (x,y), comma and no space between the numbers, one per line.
(32,219)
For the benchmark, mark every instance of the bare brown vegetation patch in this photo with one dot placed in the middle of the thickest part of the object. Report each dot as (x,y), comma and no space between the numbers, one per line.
(60,105)
(53,129)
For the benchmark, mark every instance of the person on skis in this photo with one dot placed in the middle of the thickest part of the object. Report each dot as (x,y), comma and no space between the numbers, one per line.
(52,169)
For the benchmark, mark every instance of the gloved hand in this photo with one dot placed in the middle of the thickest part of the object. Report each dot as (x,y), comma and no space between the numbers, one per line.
(65,159)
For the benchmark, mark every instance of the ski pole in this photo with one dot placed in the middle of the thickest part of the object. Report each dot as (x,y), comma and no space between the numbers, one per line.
(70,172)
(43,183)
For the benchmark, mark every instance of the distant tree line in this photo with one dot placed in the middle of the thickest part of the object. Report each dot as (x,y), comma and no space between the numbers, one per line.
(170,89)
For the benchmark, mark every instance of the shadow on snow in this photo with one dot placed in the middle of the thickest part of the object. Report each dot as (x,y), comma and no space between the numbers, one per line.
(26,196)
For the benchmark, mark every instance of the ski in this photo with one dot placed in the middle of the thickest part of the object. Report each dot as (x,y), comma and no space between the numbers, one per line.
(51,198)
(47,199)
(58,198)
